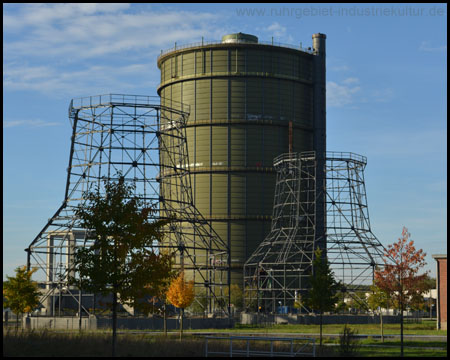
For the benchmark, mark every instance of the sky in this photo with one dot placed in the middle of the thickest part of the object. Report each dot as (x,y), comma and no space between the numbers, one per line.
(386,96)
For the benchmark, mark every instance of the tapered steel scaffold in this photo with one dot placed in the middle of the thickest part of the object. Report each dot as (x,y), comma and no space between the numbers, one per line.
(277,272)
(353,250)
(136,138)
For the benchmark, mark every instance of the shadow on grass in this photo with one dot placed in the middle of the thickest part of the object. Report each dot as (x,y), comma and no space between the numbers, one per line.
(47,343)
(94,344)
(50,344)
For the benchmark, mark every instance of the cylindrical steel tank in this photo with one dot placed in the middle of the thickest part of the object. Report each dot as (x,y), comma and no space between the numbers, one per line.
(243,95)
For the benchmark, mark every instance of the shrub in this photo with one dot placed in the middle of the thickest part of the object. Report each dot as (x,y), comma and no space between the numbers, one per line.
(348,344)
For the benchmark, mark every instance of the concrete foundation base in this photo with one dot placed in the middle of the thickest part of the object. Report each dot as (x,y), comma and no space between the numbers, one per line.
(61,323)
(253,319)
(94,323)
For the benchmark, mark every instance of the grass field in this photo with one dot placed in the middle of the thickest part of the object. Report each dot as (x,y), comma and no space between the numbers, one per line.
(423,328)
(98,343)
(372,348)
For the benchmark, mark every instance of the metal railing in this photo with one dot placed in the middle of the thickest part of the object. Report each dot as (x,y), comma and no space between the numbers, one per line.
(219,42)
(340,155)
(329,155)
(114,99)
(302,346)
(107,99)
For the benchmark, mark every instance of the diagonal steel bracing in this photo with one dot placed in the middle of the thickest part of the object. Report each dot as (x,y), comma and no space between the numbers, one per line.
(277,272)
(145,142)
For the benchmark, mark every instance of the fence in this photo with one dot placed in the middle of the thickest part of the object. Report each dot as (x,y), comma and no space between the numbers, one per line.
(270,319)
(305,346)
(132,323)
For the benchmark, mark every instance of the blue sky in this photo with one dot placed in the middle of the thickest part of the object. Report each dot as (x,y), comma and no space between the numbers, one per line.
(386,96)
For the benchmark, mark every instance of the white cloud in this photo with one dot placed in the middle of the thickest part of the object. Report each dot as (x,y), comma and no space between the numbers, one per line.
(339,68)
(79,49)
(88,80)
(382,95)
(279,33)
(427,47)
(351,80)
(336,64)
(82,31)
(349,91)
(28,123)
(341,94)
(35,14)
(277,30)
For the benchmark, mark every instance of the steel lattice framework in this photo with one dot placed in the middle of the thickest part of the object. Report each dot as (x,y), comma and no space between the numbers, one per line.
(277,272)
(134,137)
(279,267)
(352,249)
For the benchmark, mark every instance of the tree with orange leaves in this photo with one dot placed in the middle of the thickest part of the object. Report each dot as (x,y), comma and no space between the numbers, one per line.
(181,294)
(400,278)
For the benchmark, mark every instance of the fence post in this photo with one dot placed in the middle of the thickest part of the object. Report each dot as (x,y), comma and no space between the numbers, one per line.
(206,347)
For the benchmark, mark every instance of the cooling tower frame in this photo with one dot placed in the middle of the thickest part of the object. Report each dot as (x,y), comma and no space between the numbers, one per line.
(145,142)
(277,272)
(283,259)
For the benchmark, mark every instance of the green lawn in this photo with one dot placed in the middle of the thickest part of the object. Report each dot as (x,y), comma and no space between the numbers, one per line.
(411,348)
(424,328)
(98,343)
(48,343)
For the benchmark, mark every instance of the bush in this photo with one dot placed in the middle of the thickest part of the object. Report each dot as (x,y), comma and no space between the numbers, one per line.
(348,344)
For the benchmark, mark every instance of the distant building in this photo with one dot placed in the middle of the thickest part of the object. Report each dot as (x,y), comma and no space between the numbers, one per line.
(441,286)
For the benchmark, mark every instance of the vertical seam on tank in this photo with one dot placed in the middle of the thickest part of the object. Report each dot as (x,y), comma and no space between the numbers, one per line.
(210,135)
(262,85)
(195,127)
(245,157)
(263,95)
(228,162)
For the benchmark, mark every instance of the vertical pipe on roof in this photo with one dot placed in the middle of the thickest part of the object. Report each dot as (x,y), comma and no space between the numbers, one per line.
(320,135)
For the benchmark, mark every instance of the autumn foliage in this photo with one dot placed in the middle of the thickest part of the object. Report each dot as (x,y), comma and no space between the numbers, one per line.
(400,278)
(180,293)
